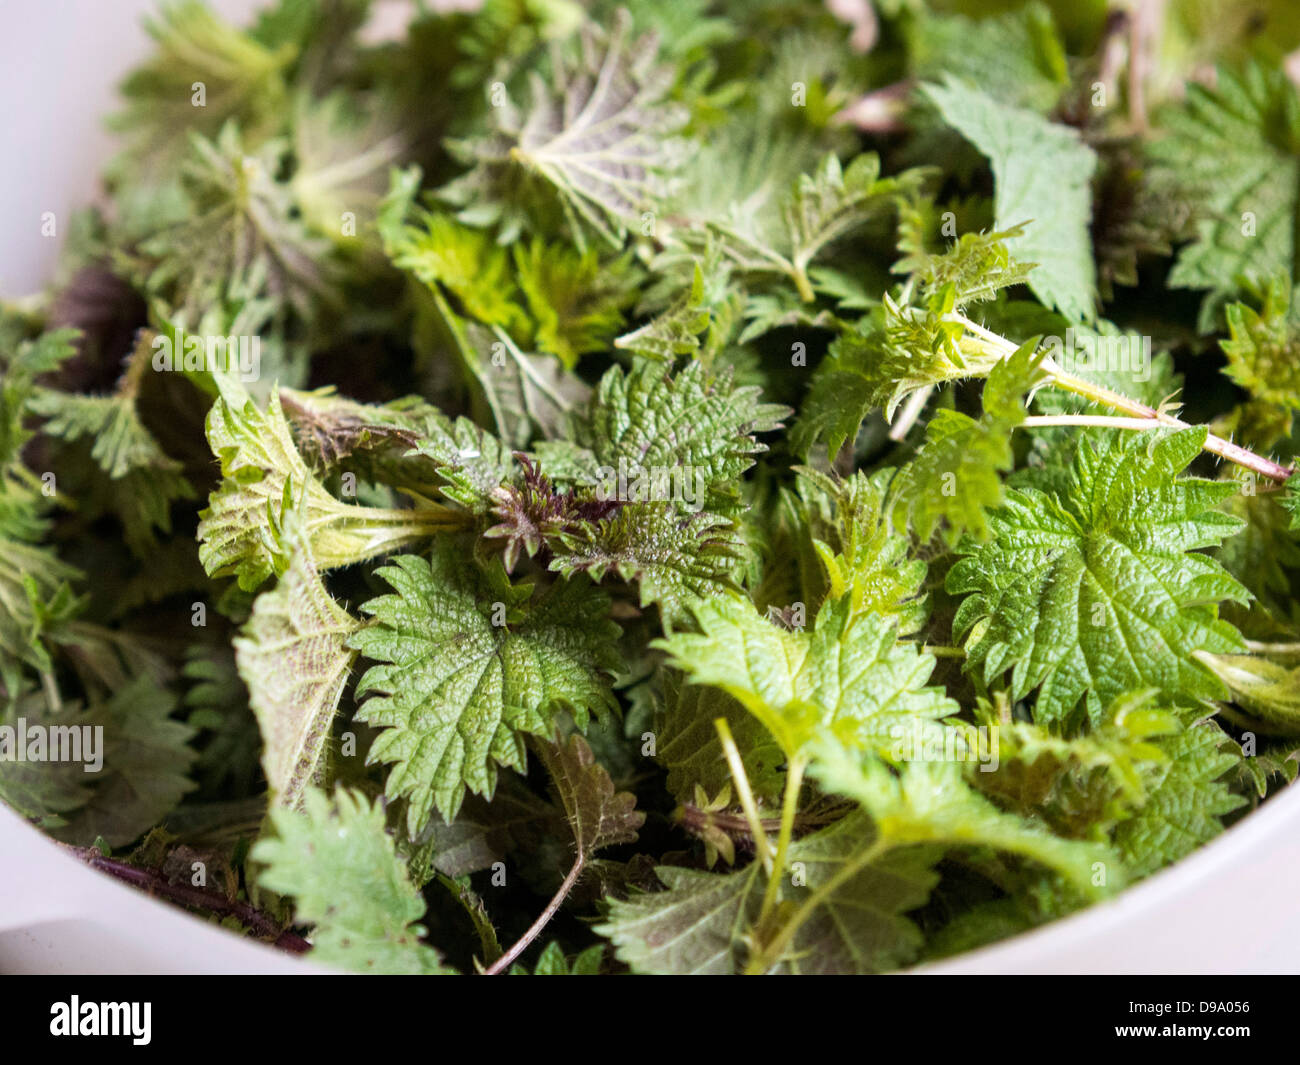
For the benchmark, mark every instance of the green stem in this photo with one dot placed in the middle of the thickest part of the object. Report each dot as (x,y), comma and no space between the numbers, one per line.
(1285,650)
(789,809)
(1106,397)
(940,651)
(747,803)
(1101,421)
(765,958)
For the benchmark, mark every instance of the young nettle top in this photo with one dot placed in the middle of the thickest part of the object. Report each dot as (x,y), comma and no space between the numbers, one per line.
(744,480)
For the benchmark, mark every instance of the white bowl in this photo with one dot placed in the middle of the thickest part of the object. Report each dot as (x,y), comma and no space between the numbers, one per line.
(1229,908)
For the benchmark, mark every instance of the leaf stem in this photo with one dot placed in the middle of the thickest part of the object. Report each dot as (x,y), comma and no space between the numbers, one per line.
(940,651)
(534,930)
(771,953)
(153,882)
(1101,421)
(910,413)
(1136,410)
(747,803)
(1284,649)
(789,809)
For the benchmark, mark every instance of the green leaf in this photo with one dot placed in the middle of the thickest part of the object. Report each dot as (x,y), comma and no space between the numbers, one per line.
(145,480)
(260,468)
(338,863)
(1229,150)
(145,774)
(1031,69)
(687,744)
(675,331)
(849,675)
(693,427)
(692,929)
(1041,174)
(860,553)
(929,803)
(1266,690)
(599,135)
(1186,799)
(954,479)
(1101,590)
(677,560)
(700,925)
(1264,349)
(466,262)
(468,665)
(598,817)
(822,207)
(576,300)
(242,79)
(552,962)
(294,657)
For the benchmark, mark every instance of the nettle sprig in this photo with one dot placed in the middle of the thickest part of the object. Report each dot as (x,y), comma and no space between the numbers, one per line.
(695,473)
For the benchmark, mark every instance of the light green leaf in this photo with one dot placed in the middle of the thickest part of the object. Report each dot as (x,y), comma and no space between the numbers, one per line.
(337,862)
(1042,173)
(468,665)
(1102,590)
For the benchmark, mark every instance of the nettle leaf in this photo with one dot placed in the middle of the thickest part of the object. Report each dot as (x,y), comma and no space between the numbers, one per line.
(897,349)
(859,928)
(849,675)
(953,481)
(701,924)
(1264,349)
(337,862)
(1270,693)
(687,744)
(144,480)
(930,803)
(1101,590)
(599,135)
(576,301)
(552,962)
(260,467)
(36,597)
(242,79)
(695,928)
(1031,70)
(294,657)
(147,760)
(468,665)
(23,362)
(1229,150)
(1042,173)
(822,207)
(676,559)
(860,553)
(676,330)
(45,792)
(1186,797)
(486,832)
(240,239)
(407,444)
(468,264)
(598,817)
(693,430)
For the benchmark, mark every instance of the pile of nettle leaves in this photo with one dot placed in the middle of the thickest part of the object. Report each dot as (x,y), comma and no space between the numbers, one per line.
(723,487)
